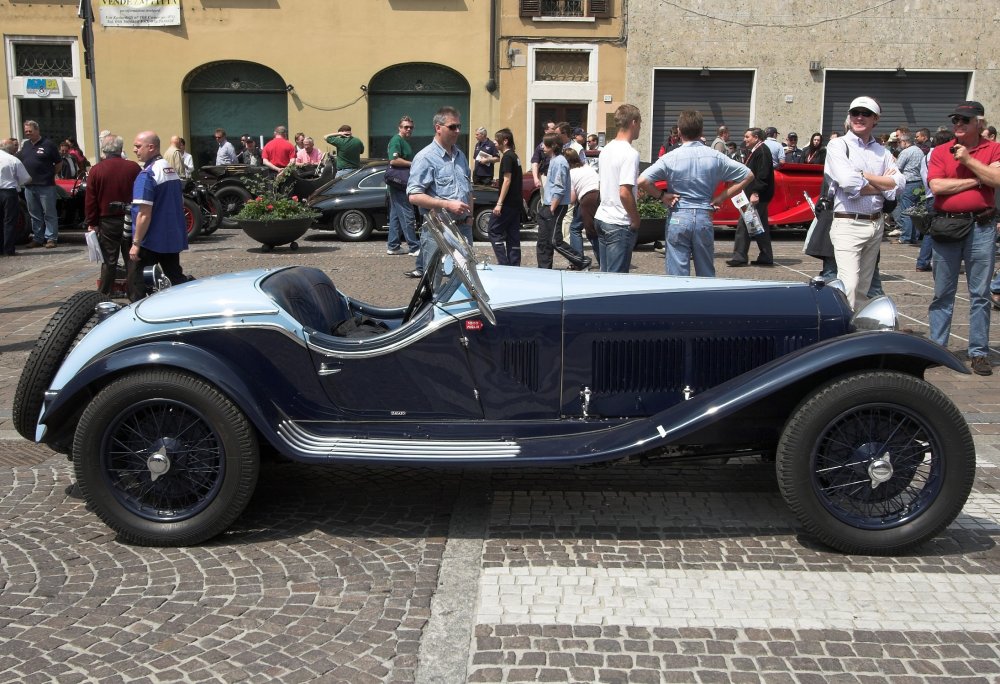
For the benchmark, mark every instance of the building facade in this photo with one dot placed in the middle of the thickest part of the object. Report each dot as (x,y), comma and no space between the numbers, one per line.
(797,64)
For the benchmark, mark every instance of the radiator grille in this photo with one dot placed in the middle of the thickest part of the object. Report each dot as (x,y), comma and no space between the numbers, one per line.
(520,362)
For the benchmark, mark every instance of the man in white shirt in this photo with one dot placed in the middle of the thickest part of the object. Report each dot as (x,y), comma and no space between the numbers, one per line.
(777,149)
(13,176)
(617,217)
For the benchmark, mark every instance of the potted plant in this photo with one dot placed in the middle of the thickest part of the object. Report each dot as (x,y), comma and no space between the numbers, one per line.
(919,213)
(271,216)
(652,219)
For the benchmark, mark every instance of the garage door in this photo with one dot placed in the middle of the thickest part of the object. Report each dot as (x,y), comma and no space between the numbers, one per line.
(722,97)
(916,100)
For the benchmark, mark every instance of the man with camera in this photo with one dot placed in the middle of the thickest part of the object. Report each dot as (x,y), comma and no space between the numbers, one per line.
(963,178)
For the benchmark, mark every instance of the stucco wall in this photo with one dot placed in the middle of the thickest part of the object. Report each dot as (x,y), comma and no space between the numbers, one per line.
(779,38)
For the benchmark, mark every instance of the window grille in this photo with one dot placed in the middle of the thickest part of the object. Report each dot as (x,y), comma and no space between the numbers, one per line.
(562,65)
(43,59)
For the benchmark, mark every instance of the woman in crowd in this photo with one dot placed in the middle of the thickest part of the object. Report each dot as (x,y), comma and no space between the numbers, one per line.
(814,152)
(505,224)
(586,194)
(78,156)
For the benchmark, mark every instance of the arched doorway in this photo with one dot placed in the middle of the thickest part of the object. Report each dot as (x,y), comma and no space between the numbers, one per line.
(418,90)
(240,97)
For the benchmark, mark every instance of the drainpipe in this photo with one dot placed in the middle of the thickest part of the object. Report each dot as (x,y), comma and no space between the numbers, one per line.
(491,84)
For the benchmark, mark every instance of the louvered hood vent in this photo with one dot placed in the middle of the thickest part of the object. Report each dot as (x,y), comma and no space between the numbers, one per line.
(520,362)
(660,366)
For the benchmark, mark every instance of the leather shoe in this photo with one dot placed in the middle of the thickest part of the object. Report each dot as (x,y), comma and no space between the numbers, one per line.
(735,263)
(923,269)
(995,298)
(33,245)
(758,262)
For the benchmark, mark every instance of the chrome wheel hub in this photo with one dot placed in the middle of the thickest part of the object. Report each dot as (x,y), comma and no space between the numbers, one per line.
(158,463)
(880,470)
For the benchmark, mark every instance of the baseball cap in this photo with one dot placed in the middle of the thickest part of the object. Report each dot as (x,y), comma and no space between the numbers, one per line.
(793,134)
(893,137)
(970,109)
(867,103)
(578,131)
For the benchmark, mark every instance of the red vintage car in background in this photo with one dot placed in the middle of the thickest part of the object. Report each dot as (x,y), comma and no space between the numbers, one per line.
(788,207)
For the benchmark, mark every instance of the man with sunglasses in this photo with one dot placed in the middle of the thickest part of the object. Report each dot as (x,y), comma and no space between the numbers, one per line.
(962,178)
(439,179)
(863,175)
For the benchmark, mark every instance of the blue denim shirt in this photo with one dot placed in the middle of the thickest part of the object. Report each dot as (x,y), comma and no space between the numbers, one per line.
(440,173)
(557,183)
(693,171)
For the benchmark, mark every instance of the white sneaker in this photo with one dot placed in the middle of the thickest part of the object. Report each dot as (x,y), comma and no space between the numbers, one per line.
(895,233)
(415,253)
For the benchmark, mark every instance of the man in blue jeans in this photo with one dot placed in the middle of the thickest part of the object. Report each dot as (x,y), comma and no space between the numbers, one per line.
(41,158)
(692,172)
(617,217)
(963,178)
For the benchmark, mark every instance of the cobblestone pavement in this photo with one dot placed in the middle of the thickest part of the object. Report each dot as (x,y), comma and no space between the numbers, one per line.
(687,573)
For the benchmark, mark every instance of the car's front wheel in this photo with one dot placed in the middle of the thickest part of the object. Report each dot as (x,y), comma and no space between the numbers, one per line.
(876,463)
(165,459)
(354,225)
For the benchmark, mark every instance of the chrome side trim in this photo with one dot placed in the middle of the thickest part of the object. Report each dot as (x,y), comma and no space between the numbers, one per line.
(404,338)
(302,440)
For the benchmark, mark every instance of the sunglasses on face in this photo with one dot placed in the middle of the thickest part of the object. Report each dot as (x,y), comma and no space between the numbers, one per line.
(956,120)
(861,112)
(453,127)
(407,128)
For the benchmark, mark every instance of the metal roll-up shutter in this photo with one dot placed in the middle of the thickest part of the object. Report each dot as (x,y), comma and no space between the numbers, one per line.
(915,100)
(722,97)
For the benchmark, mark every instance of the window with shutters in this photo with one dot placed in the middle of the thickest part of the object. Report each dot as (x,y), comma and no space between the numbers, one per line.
(600,9)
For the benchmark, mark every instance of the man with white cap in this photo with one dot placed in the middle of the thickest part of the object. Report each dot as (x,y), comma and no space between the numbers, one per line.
(963,177)
(863,175)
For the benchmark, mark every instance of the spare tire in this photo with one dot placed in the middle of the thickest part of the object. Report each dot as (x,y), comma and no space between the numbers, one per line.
(68,325)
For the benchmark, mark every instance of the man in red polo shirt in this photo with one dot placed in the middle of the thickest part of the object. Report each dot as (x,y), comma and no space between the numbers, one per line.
(278,152)
(963,177)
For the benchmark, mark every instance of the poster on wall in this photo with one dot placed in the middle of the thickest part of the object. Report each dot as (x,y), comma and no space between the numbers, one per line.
(131,13)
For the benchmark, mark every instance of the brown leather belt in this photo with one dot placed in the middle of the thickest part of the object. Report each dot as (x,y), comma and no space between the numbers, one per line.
(858,217)
(981,216)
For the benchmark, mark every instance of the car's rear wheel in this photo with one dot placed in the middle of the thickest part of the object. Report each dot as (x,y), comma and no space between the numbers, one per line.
(232,198)
(192,218)
(534,204)
(481,226)
(876,463)
(68,325)
(165,459)
(354,225)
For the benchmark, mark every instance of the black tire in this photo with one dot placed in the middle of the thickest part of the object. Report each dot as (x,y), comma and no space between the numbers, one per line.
(165,459)
(534,204)
(68,324)
(192,218)
(232,198)
(876,463)
(211,213)
(481,226)
(354,225)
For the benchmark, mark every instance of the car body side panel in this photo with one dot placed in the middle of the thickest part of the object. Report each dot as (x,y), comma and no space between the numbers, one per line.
(638,354)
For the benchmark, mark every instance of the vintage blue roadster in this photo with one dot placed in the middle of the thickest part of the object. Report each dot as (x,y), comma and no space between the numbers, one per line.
(164,405)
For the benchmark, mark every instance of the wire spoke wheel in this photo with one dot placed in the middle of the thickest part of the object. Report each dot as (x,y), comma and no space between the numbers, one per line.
(163,461)
(877,466)
(876,462)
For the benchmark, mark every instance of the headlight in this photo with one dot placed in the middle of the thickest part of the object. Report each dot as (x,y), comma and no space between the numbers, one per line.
(878,314)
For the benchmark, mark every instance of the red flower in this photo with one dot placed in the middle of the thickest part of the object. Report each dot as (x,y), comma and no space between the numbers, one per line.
(270,207)
(295,198)
(259,198)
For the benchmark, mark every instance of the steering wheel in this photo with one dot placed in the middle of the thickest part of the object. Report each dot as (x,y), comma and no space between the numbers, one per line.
(423,291)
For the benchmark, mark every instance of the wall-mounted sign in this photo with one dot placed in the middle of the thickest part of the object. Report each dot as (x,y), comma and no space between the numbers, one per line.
(42,87)
(130,13)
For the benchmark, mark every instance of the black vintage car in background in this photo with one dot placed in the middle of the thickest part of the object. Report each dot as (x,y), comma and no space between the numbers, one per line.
(357,205)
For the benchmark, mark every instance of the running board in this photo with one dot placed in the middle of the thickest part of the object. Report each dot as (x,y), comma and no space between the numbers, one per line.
(312,444)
